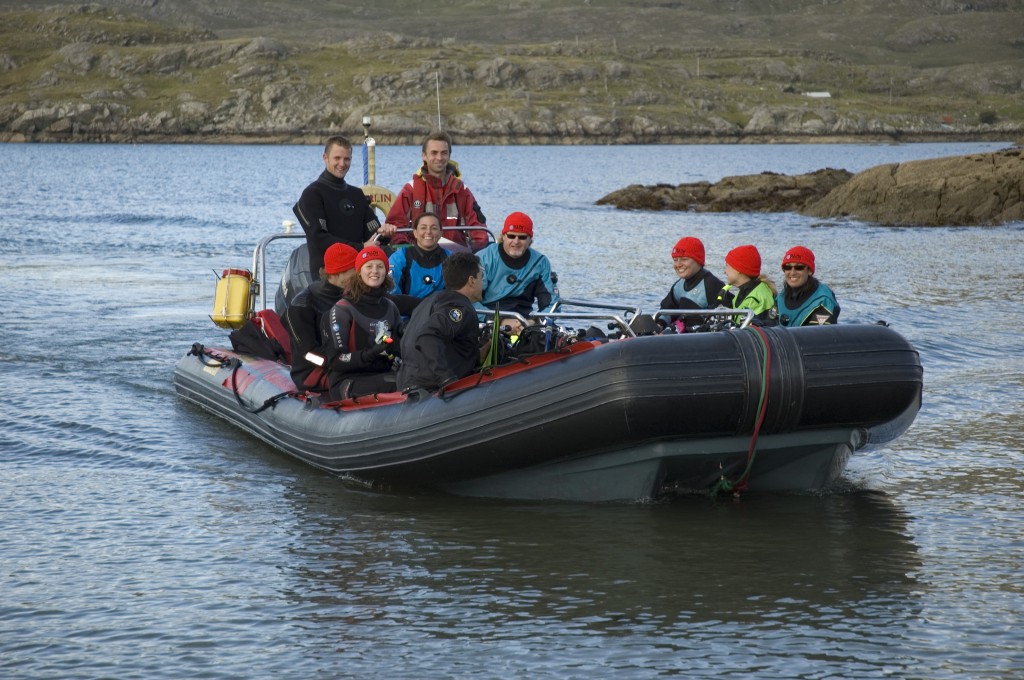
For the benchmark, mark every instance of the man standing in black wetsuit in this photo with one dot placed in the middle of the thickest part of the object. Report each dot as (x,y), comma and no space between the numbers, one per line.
(332,211)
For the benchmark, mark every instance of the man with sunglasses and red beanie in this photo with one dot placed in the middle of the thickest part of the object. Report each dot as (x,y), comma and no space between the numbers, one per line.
(515,275)
(804,300)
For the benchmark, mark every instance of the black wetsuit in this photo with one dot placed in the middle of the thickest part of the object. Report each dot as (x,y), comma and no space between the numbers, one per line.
(302,321)
(358,361)
(700,291)
(331,211)
(441,342)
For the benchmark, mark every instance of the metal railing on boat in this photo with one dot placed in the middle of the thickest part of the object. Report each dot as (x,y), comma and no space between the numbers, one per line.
(259,263)
(259,256)
(616,314)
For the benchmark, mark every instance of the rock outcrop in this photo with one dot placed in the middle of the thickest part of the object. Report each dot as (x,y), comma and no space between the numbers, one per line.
(977,189)
(767,192)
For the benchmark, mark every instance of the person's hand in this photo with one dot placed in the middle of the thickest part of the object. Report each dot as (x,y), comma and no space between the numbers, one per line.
(371,353)
(387,230)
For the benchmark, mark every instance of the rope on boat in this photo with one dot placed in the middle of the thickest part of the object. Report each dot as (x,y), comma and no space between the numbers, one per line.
(740,484)
(234,364)
(443,395)
(202,353)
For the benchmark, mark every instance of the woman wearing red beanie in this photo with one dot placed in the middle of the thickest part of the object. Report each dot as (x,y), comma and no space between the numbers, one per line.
(696,288)
(361,332)
(804,300)
(750,289)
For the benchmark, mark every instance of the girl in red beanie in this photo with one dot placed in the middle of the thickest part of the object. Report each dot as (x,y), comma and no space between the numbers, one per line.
(696,288)
(361,332)
(749,289)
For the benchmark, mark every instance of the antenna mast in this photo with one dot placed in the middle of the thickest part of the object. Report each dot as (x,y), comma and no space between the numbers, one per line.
(369,154)
(437,84)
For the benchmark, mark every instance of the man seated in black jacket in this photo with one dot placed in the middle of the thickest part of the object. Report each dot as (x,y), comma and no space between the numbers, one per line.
(441,342)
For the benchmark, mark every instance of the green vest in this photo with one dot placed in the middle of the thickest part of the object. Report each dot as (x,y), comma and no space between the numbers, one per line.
(761,300)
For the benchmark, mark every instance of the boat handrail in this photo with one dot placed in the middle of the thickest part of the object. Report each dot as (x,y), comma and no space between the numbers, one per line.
(589,316)
(627,309)
(622,319)
(631,312)
(467,229)
(259,264)
(747,314)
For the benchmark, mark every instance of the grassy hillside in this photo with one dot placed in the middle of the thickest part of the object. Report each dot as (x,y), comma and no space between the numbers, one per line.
(529,70)
(917,33)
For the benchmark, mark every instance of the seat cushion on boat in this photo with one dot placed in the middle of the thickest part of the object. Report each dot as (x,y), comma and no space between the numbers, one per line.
(270,323)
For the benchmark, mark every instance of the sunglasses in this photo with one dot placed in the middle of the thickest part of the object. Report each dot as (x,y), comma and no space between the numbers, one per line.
(791,267)
(517,237)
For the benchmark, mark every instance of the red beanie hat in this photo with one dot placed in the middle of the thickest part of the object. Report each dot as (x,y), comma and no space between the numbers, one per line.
(745,260)
(340,257)
(518,223)
(370,253)
(799,255)
(690,247)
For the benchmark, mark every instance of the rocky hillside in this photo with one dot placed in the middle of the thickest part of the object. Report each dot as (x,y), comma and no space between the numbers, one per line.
(542,71)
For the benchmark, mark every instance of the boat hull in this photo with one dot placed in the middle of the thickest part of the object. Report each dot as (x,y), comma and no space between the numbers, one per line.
(623,420)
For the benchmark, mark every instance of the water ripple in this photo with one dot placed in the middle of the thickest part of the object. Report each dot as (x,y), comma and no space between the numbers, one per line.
(142,537)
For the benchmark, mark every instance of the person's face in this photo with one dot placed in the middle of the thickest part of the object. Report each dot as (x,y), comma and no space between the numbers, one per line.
(733,277)
(796,274)
(436,157)
(475,291)
(685,267)
(373,273)
(427,233)
(515,244)
(338,160)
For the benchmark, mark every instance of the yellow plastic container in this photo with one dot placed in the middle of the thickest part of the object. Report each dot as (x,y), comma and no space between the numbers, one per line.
(231,305)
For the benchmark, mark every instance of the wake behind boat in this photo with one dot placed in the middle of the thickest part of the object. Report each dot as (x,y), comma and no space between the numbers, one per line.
(634,417)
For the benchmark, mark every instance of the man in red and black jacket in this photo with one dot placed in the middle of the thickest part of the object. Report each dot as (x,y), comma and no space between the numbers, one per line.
(437,187)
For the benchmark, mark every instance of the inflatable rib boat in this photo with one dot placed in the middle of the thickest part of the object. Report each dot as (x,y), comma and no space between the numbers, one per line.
(758,409)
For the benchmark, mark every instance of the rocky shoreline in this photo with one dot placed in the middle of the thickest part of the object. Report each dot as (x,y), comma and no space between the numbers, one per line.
(386,138)
(973,190)
(767,192)
(87,73)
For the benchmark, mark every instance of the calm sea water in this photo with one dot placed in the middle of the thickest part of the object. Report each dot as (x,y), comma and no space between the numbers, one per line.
(142,538)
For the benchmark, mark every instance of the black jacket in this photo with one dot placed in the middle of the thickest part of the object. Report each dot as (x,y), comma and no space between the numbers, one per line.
(331,211)
(302,321)
(440,343)
(354,335)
